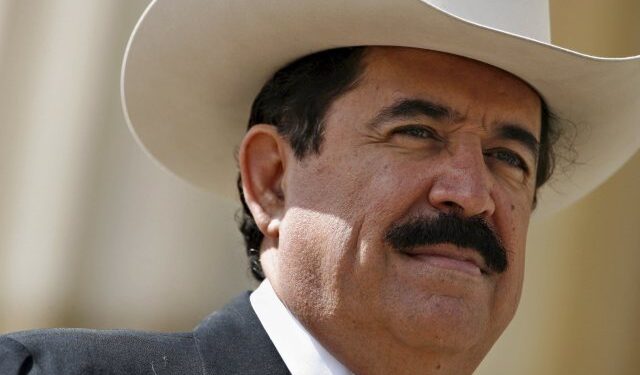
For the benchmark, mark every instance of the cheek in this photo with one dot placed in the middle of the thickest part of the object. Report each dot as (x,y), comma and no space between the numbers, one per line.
(314,251)
(512,220)
(351,186)
(513,211)
(337,213)
(323,215)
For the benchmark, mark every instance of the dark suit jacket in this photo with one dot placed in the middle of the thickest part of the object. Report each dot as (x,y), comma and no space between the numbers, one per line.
(229,341)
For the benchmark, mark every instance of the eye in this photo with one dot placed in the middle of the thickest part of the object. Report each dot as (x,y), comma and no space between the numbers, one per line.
(508,157)
(416,131)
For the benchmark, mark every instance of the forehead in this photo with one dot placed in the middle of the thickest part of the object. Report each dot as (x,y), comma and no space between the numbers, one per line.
(461,82)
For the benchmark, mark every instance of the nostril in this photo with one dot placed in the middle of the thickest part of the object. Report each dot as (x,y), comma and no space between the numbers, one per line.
(452,207)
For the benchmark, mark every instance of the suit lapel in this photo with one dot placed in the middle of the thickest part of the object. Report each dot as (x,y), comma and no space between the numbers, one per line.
(233,341)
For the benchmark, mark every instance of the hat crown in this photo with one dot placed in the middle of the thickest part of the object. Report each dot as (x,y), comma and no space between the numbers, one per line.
(528,18)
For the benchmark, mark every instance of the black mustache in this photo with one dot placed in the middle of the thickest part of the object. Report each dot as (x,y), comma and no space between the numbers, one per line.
(474,233)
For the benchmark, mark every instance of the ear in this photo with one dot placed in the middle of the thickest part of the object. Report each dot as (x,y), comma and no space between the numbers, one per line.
(262,157)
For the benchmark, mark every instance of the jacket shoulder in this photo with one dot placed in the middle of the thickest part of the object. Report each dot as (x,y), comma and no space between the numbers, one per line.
(233,341)
(83,351)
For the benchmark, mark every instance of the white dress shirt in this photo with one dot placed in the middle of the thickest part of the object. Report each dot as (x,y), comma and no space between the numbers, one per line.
(302,353)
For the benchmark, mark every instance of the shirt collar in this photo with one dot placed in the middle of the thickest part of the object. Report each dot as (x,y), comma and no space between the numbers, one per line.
(300,351)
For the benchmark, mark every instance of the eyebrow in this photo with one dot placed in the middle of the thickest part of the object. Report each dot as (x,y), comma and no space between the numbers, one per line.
(407,108)
(519,134)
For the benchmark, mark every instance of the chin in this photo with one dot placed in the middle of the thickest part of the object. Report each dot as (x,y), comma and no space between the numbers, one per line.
(443,323)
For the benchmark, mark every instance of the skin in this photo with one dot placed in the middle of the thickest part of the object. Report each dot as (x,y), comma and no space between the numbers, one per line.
(325,217)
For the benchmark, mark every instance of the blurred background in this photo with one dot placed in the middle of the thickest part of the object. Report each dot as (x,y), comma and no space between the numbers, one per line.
(94,234)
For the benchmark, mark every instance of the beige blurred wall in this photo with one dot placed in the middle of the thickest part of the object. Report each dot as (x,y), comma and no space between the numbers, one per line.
(94,234)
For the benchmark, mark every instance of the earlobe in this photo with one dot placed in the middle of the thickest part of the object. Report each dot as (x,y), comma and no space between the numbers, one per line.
(273,228)
(262,158)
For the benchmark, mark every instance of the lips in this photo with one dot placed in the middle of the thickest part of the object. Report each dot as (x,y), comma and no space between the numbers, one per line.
(450,257)
(447,235)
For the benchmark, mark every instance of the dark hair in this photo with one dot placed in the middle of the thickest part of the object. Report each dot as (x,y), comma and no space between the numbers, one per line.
(295,101)
(549,135)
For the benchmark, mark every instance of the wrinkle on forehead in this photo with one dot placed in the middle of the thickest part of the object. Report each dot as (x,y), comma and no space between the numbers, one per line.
(398,58)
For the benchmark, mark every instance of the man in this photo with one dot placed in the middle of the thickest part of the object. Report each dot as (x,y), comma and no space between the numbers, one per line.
(387,191)
(372,253)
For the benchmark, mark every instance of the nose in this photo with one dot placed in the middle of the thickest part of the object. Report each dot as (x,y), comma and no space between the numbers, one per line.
(464,184)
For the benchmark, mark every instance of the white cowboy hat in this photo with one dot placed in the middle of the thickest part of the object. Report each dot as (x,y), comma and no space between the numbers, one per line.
(193,67)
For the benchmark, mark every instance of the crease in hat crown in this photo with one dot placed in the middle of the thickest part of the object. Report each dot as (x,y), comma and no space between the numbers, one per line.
(192,69)
(528,18)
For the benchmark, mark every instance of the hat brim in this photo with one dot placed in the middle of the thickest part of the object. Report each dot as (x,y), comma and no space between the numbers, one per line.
(192,69)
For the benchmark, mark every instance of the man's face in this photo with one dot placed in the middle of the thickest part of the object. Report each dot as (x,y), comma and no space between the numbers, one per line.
(422,134)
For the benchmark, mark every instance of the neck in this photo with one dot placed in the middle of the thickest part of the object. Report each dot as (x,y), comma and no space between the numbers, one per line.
(366,351)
